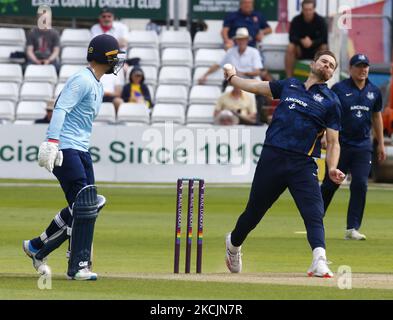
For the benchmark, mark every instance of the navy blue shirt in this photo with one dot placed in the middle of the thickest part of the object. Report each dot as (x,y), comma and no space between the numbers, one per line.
(302,116)
(357,107)
(253,22)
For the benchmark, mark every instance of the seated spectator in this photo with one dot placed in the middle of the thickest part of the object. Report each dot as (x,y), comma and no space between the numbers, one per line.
(137,91)
(244,58)
(113,85)
(235,107)
(43,43)
(106,24)
(256,25)
(246,17)
(308,34)
(247,62)
(49,111)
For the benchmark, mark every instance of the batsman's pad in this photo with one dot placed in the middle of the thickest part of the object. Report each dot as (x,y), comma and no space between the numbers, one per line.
(85,211)
(101,200)
(101,204)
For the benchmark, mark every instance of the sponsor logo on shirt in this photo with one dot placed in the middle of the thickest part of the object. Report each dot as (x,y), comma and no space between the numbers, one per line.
(362,108)
(359,110)
(300,102)
(349,94)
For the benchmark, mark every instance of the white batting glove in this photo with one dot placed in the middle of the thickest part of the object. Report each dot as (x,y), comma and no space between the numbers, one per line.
(229,71)
(59,159)
(49,155)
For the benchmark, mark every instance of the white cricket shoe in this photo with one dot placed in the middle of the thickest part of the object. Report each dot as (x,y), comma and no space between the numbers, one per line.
(84,274)
(39,265)
(233,260)
(353,234)
(319,268)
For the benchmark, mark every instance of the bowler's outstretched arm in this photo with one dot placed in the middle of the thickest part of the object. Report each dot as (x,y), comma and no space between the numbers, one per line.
(249,85)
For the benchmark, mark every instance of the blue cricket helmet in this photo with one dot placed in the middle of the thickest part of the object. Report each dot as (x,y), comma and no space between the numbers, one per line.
(104,49)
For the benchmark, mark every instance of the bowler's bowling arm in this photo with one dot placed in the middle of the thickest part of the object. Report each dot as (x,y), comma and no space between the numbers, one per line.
(252,85)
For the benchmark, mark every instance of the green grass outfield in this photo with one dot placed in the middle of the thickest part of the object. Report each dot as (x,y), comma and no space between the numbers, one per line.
(134,242)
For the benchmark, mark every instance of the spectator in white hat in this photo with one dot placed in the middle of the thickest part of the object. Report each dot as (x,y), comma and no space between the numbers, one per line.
(244,58)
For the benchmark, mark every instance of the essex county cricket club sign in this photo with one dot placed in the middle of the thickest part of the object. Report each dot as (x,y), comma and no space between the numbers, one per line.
(217,9)
(153,9)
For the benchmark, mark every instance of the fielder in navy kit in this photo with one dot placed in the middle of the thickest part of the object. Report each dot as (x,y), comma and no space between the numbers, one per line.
(65,153)
(361,104)
(305,112)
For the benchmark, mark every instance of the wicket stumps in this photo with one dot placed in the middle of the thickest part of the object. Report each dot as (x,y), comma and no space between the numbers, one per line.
(190,212)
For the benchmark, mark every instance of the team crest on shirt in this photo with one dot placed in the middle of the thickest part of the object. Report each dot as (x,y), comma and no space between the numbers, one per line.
(370,96)
(317,97)
(359,114)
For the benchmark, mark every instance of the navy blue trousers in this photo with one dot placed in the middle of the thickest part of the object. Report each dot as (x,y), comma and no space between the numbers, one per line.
(277,170)
(75,173)
(358,163)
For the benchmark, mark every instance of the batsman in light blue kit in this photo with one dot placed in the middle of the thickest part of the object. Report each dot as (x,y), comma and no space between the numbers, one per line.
(66,153)
(361,104)
(293,140)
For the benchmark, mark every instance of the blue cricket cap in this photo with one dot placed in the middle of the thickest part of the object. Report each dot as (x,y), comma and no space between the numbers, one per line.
(359,58)
(102,47)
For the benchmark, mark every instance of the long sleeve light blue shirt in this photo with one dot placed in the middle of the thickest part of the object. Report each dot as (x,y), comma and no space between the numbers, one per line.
(75,110)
